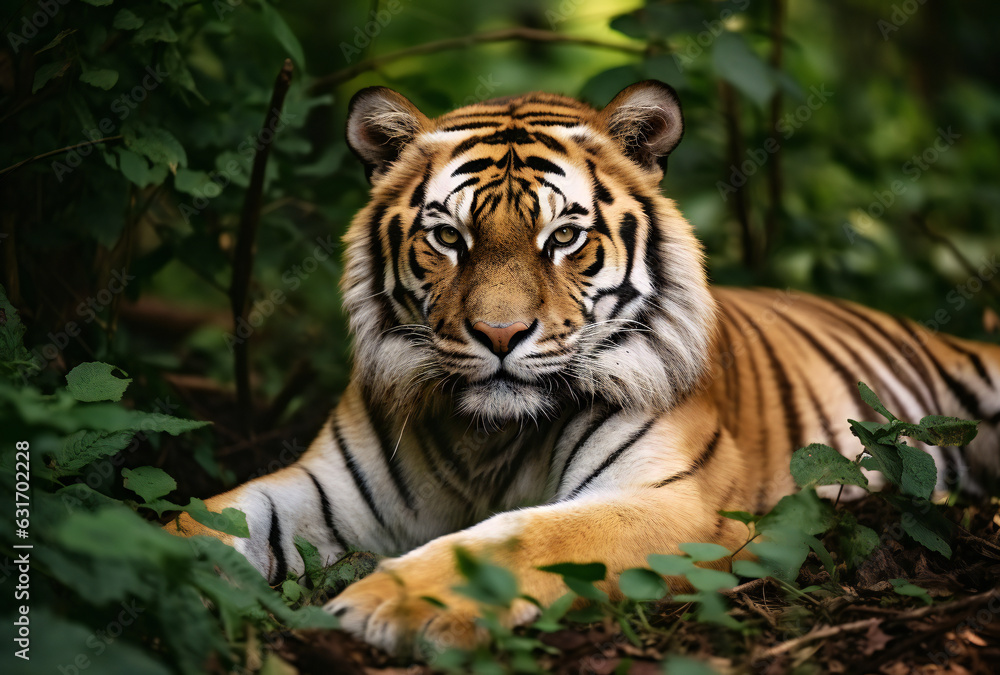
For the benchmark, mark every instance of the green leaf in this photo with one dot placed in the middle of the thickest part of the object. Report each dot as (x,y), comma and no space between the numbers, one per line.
(102,78)
(56,40)
(291,591)
(642,585)
(312,561)
(125,19)
(873,402)
(742,516)
(83,447)
(12,330)
(943,431)
(579,571)
(97,382)
(919,474)
(487,583)
(48,72)
(923,521)
(856,541)
(549,620)
(230,521)
(802,511)
(705,552)
(286,38)
(99,3)
(710,580)
(819,464)
(589,614)
(738,64)
(904,587)
(156,30)
(194,182)
(780,557)
(682,665)
(137,169)
(670,565)
(149,482)
(158,144)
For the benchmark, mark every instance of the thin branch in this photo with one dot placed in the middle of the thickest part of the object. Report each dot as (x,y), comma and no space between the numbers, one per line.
(819,633)
(335,78)
(245,238)
(921,222)
(774,183)
(52,153)
(734,138)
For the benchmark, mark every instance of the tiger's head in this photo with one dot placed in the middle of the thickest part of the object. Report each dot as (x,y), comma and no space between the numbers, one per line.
(517,255)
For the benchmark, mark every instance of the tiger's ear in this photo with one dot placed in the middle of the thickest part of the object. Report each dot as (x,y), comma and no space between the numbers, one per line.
(647,122)
(380,123)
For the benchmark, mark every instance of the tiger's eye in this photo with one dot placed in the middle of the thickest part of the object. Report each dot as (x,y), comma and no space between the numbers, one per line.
(448,236)
(564,235)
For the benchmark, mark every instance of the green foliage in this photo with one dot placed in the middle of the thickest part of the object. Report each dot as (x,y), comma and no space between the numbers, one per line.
(97,382)
(93,552)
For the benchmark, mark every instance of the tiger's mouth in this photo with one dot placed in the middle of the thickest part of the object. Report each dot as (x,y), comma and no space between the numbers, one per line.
(504,397)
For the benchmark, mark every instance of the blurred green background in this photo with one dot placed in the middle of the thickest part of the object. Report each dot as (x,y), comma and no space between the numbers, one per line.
(845,148)
(848,149)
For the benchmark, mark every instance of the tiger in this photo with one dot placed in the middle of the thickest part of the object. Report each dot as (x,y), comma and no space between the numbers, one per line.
(543,374)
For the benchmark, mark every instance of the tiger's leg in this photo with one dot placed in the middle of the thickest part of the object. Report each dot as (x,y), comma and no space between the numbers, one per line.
(334,496)
(681,473)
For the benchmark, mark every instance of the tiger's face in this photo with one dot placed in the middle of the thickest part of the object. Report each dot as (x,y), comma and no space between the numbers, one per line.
(517,256)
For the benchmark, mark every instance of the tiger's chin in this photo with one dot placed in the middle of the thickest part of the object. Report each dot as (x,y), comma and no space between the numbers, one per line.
(496,402)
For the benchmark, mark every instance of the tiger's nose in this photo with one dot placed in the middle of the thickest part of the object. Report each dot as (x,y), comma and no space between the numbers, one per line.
(501,339)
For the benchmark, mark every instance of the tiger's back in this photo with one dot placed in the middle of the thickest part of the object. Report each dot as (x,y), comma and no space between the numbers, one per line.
(787,367)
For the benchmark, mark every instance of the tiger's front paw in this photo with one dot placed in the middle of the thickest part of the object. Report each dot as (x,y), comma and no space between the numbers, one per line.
(399,609)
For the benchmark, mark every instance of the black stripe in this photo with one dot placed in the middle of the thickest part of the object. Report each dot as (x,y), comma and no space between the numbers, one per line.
(891,363)
(387,446)
(786,391)
(849,380)
(415,267)
(543,165)
(598,263)
(446,452)
(354,469)
(611,459)
(474,166)
(550,143)
(274,540)
(704,458)
(327,510)
(977,363)
(732,380)
(588,432)
(440,474)
(419,192)
(761,426)
(472,125)
(966,398)
(600,191)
